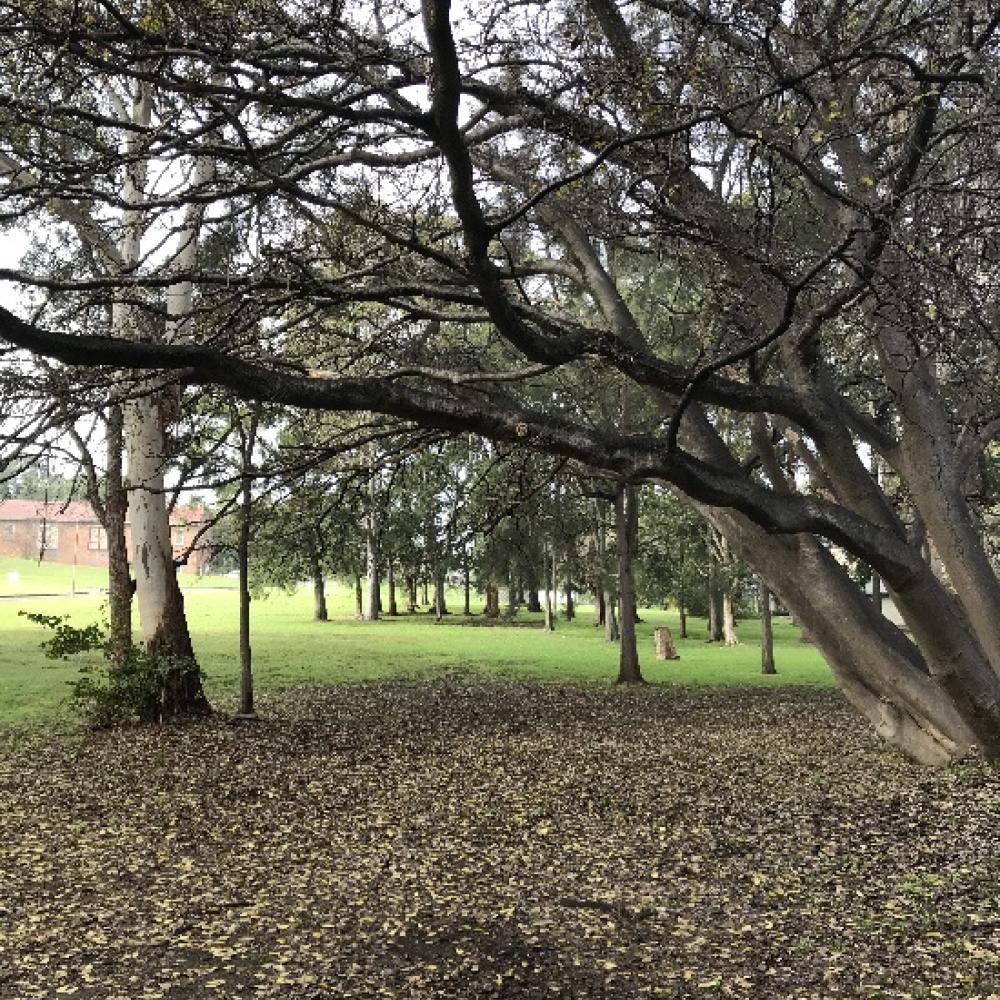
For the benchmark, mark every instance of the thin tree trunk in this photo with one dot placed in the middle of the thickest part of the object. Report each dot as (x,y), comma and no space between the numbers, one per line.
(766,631)
(320,612)
(628,659)
(876,579)
(550,618)
(393,607)
(115,513)
(247,441)
(682,632)
(466,587)
(426,594)
(359,597)
(715,633)
(371,550)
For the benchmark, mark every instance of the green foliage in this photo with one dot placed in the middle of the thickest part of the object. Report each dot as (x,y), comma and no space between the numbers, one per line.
(122,687)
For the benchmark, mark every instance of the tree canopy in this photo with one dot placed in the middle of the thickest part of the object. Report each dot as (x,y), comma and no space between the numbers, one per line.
(737,248)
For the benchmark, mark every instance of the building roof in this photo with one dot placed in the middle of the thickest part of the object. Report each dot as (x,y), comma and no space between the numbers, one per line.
(80,512)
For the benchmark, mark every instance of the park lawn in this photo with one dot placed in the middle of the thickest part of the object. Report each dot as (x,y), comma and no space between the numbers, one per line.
(292,649)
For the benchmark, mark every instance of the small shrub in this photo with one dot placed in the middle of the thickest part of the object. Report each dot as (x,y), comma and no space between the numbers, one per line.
(125,687)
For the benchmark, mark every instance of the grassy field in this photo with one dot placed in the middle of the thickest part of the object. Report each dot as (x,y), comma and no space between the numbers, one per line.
(291,649)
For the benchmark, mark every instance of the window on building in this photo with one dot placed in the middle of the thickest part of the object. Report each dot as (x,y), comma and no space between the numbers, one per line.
(98,540)
(48,537)
(10,529)
(178,537)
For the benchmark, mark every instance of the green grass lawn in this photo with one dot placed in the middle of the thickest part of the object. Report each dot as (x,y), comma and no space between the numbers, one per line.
(290,648)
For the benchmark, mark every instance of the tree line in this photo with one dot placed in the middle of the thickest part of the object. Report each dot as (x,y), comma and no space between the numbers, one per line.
(748,251)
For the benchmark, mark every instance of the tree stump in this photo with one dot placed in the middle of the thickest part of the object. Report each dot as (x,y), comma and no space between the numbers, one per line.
(665,644)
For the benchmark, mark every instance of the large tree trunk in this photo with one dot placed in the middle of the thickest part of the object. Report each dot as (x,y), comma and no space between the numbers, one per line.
(882,673)
(766,631)
(628,658)
(161,604)
(492,605)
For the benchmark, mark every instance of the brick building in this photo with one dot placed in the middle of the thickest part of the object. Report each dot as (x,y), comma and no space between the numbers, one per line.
(71,533)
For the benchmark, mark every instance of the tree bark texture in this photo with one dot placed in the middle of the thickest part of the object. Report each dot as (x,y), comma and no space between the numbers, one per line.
(766,630)
(628,657)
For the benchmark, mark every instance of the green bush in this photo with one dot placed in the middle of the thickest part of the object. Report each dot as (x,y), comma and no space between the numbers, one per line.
(124,687)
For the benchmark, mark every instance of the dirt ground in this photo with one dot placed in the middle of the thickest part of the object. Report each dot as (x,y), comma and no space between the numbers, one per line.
(473,840)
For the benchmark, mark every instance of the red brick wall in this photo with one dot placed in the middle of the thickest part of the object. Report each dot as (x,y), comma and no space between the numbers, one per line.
(20,539)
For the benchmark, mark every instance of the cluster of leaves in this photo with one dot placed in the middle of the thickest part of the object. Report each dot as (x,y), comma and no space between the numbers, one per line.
(499,840)
(120,687)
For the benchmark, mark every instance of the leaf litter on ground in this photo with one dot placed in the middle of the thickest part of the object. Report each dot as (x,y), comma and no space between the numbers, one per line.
(509,840)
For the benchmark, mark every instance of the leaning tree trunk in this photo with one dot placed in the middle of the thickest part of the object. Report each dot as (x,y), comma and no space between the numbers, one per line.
(766,631)
(628,657)
(881,671)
